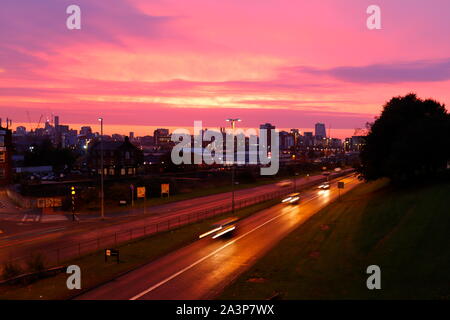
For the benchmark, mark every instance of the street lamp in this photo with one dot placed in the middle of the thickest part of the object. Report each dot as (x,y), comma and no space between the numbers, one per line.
(102,193)
(233,126)
(295,181)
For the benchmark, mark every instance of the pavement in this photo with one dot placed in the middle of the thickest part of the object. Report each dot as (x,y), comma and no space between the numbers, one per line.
(204,268)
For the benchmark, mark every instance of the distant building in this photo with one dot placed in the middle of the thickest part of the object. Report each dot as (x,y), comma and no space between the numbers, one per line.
(296,135)
(320,131)
(286,140)
(21,131)
(308,139)
(358,142)
(268,127)
(120,158)
(146,141)
(5,154)
(117,137)
(86,131)
(161,137)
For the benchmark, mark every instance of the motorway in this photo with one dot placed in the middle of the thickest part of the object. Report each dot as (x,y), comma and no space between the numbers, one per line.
(204,268)
(71,233)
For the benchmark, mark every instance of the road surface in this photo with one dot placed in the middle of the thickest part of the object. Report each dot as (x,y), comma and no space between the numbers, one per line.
(203,269)
(68,235)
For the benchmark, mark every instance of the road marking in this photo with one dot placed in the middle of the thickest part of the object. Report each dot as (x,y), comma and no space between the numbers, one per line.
(209,255)
(143,293)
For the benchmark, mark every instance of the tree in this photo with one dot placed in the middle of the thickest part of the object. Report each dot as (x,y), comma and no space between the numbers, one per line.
(45,154)
(410,139)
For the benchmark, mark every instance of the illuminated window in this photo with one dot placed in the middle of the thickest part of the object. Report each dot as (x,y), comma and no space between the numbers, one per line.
(2,157)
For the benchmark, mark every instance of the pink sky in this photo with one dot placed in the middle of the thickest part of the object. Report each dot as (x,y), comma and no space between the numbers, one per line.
(141,64)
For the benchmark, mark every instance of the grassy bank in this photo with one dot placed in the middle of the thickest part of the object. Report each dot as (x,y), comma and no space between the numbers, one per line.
(405,232)
(132,254)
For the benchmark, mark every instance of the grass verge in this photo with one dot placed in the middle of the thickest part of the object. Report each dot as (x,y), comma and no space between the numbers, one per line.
(132,255)
(405,232)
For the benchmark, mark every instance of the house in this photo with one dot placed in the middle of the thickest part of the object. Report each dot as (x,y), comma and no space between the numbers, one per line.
(6,148)
(120,158)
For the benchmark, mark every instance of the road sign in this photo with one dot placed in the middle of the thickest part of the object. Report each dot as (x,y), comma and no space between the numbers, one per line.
(165,189)
(340,185)
(111,253)
(141,192)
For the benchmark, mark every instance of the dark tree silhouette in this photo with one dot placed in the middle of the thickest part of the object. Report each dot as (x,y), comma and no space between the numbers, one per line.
(46,154)
(410,139)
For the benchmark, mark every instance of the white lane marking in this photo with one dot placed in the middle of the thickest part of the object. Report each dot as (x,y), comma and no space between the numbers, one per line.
(143,293)
(208,256)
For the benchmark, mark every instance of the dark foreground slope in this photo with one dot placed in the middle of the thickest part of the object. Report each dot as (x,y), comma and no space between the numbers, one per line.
(405,232)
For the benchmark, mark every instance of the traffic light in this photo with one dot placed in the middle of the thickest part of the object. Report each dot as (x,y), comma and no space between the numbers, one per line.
(73,192)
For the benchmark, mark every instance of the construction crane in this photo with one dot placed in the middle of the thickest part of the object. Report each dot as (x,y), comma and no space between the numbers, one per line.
(29,119)
(39,123)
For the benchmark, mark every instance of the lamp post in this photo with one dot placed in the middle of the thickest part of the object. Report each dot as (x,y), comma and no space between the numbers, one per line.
(233,126)
(295,181)
(102,193)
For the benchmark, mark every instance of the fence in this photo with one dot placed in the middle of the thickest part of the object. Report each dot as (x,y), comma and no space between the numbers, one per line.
(54,256)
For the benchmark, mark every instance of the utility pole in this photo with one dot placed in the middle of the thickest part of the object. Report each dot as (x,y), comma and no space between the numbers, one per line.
(132,195)
(233,126)
(295,181)
(102,192)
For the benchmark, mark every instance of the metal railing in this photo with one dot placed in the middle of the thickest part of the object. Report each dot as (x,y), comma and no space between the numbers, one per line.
(55,256)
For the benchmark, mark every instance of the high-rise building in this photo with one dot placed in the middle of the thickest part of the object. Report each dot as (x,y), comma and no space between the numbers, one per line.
(320,131)
(296,134)
(308,139)
(268,127)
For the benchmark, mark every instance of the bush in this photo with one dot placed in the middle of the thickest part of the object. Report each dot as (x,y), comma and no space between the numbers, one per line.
(11,270)
(36,263)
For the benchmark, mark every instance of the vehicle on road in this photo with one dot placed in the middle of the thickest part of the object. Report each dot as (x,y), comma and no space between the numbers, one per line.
(325,186)
(293,198)
(221,228)
(284,183)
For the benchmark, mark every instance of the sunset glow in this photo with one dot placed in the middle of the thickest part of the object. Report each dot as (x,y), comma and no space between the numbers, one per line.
(167,63)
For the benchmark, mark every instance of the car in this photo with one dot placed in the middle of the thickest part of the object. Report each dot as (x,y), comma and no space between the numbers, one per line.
(325,186)
(222,228)
(284,183)
(293,198)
